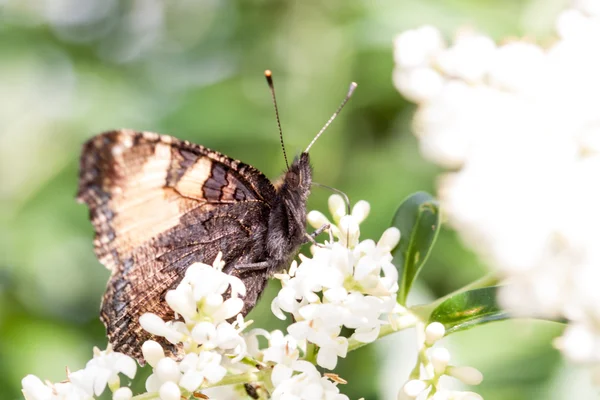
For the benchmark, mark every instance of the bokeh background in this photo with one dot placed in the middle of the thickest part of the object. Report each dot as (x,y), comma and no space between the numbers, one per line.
(70,69)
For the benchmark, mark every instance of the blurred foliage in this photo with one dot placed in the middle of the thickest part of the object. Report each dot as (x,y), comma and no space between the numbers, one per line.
(193,68)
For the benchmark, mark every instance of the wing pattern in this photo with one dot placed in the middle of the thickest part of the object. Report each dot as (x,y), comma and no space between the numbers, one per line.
(158,205)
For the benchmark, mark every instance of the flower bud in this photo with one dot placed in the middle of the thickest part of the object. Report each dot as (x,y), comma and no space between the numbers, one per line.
(444,395)
(434,332)
(440,357)
(389,239)
(337,207)
(316,219)
(467,375)
(361,210)
(153,324)
(182,301)
(167,370)
(169,391)
(414,387)
(152,352)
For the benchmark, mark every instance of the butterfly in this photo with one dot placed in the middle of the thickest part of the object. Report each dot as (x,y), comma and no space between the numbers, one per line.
(159,204)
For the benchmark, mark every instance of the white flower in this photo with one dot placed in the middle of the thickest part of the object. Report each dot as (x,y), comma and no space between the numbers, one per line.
(434,332)
(307,384)
(170,376)
(100,371)
(282,350)
(468,59)
(205,332)
(346,283)
(165,372)
(519,126)
(199,299)
(103,370)
(169,391)
(35,389)
(197,368)
(417,47)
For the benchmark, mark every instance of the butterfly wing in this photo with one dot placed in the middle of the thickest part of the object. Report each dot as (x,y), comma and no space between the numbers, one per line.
(158,205)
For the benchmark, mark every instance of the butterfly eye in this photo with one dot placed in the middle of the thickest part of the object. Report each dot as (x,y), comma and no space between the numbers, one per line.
(293,180)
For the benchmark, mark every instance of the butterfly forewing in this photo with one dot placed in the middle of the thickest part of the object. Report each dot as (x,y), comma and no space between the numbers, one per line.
(158,205)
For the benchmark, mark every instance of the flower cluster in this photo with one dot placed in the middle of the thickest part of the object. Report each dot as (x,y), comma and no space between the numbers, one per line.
(207,339)
(101,371)
(346,283)
(519,126)
(211,347)
(434,363)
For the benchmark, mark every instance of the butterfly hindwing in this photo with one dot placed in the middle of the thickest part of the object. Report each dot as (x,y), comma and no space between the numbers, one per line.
(159,204)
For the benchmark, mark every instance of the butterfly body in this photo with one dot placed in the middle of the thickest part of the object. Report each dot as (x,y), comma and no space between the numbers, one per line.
(159,204)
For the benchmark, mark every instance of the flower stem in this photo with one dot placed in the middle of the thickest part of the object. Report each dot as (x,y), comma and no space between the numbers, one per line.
(311,353)
(253,376)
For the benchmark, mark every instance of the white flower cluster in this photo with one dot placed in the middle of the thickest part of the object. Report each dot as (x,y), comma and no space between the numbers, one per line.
(208,340)
(346,283)
(434,363)
(520,128)
(292,377)
(84,384)
(214,346)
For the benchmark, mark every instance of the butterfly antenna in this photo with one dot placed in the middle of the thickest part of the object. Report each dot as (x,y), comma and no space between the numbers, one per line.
(335,114)
(269,77)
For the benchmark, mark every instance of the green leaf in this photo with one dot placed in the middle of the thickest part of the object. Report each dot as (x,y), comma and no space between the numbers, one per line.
(418,219)
(468,309)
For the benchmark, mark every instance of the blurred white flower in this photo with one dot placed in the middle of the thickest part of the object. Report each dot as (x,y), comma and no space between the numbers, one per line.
(103,370)
(346,283)
(417,47)
(35,389)
(433,363)
(100,371)
(519,126)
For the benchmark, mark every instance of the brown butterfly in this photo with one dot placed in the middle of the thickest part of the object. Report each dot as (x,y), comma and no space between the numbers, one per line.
(159,204)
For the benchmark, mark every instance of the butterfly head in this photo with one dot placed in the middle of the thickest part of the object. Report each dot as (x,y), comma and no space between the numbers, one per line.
(288,216)
(298,178)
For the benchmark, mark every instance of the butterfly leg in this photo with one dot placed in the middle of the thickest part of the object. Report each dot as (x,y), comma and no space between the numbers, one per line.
(322,229)
(311,237)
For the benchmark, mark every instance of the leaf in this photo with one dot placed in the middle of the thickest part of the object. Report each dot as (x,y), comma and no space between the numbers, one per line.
(418,219)
(468,309)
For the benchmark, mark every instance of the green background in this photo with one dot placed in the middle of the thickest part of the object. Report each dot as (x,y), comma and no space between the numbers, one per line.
(70,69)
